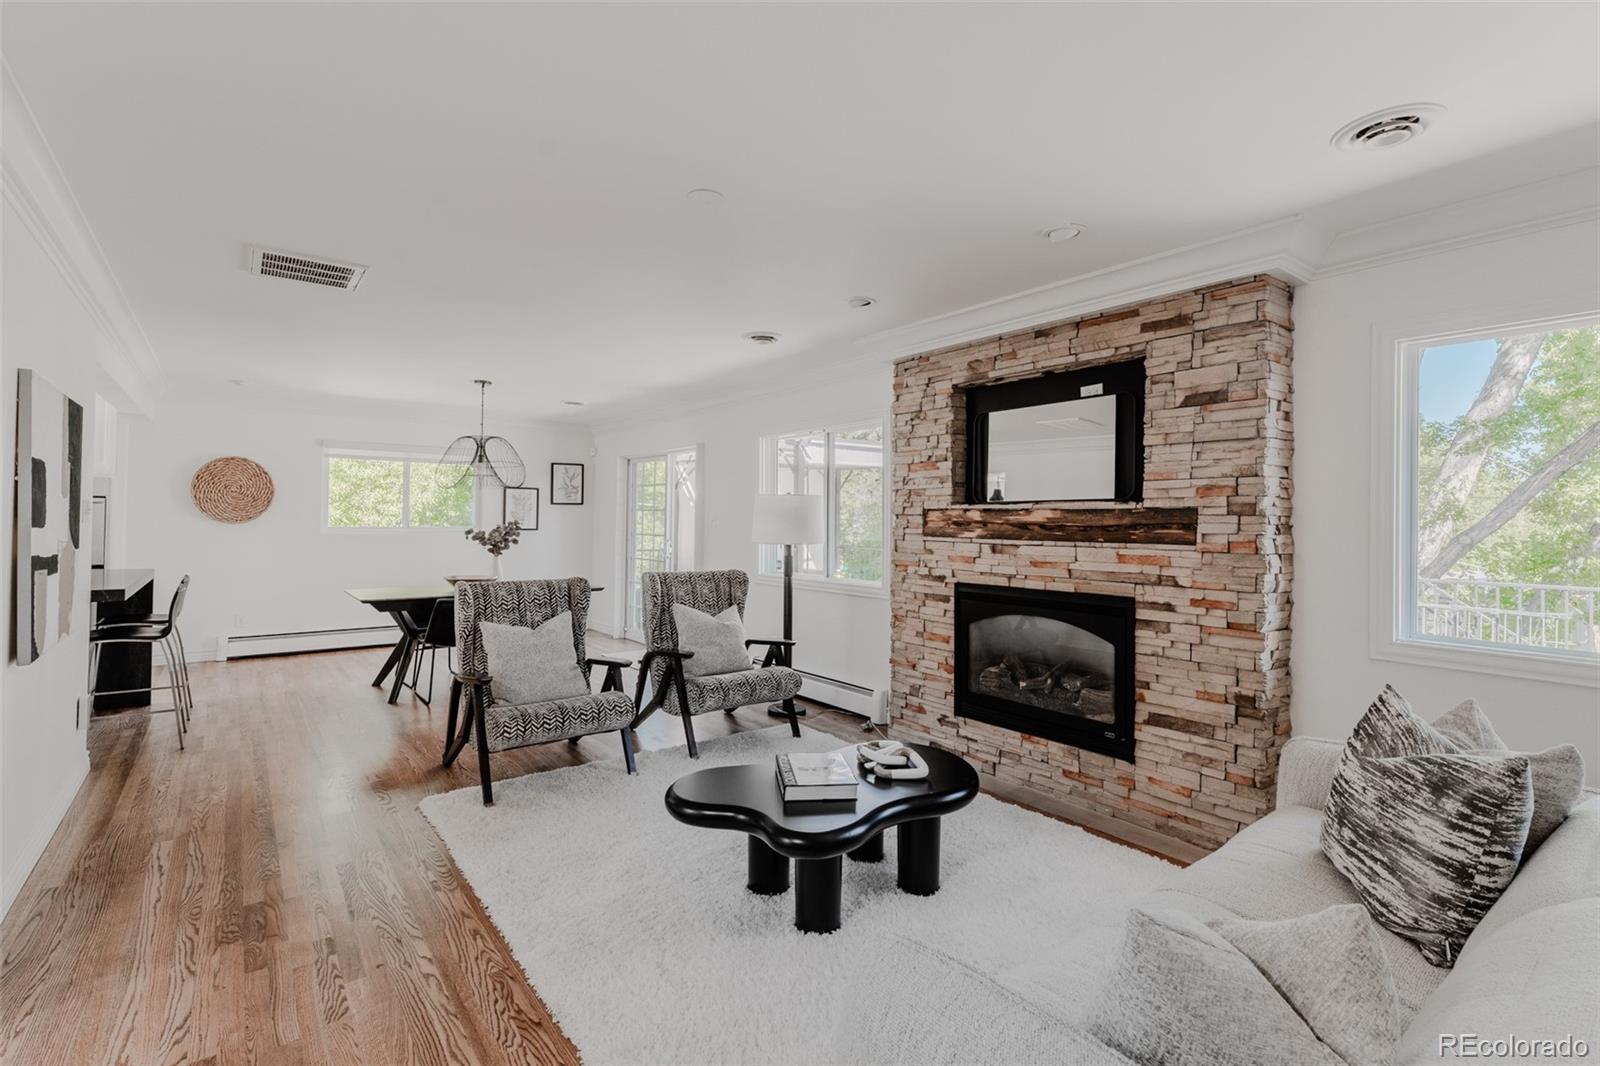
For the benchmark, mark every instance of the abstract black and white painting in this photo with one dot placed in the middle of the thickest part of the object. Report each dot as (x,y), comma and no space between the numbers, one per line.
(49,533)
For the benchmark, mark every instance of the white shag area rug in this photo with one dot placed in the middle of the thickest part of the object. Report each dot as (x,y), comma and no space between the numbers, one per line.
(639,935)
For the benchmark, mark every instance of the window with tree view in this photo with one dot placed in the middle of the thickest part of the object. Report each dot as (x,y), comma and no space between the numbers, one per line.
(386,491)
(845,466)
(1505,490)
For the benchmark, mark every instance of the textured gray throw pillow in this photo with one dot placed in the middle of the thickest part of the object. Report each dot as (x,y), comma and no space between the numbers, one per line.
(717,643)
(1428,836)
(533,665)
(1315,990)
(1557,772)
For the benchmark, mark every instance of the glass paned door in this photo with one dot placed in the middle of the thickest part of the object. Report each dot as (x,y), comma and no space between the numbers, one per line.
(662,525)
(647,532)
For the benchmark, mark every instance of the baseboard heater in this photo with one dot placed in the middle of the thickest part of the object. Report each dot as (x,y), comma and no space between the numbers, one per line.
(870,703)
(246,645)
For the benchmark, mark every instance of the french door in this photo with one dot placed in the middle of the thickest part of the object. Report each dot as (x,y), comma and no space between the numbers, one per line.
(662,523)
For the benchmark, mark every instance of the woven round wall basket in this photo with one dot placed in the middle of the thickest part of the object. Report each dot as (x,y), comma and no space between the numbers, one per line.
(232,489)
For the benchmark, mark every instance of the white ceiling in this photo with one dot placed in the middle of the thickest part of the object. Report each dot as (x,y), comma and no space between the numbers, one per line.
(514,175)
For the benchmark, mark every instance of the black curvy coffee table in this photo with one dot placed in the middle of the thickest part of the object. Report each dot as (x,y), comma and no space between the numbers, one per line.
(746,798)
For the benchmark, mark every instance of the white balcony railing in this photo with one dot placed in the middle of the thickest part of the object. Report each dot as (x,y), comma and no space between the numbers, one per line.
(1500,612)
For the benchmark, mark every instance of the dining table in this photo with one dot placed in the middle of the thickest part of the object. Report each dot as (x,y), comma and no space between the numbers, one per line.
(409,606)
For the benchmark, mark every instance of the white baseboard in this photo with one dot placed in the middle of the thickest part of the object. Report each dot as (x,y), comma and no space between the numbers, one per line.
(245,645)
(847,696)
(45,825)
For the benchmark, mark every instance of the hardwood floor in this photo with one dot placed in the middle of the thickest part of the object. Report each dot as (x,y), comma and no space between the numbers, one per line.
(272,895)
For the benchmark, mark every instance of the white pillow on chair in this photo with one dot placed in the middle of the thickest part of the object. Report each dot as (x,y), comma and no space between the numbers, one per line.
(717,643)
(533,665)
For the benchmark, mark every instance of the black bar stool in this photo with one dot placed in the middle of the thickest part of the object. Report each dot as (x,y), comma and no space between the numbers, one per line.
(162,631)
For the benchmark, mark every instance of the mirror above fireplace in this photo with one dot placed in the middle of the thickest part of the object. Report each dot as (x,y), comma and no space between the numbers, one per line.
(1067,436)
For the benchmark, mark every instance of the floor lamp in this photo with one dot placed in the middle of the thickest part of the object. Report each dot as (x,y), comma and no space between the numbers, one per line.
(788,520)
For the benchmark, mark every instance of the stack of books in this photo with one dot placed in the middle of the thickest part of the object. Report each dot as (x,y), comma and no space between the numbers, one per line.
(827,779)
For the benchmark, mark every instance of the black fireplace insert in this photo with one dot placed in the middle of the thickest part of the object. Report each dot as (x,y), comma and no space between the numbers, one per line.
(1057,665)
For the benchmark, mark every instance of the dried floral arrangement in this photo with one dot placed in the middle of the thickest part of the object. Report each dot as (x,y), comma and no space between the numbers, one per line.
(498,539)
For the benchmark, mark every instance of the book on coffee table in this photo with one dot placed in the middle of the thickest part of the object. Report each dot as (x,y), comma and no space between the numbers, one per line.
(805,777)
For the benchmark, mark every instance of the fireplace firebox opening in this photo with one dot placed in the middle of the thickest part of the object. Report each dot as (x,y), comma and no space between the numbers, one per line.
(1057,665)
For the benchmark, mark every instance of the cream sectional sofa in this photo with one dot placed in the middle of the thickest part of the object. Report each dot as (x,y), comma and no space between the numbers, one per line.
(1529,972)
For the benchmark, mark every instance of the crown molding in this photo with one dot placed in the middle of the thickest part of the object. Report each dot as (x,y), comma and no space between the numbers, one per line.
(32,183)
(1287,249)
(1564,200)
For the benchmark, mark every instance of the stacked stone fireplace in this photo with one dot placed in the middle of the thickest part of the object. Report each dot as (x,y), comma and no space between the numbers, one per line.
(1203,564)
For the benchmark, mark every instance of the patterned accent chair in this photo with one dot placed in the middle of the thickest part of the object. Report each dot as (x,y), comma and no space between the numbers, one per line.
(711,591)
(501,726)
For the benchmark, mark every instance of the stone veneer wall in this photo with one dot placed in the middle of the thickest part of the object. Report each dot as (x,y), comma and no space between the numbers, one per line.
(1212,641)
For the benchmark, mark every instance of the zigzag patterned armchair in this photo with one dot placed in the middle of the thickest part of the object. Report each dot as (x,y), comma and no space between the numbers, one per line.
(672,687)
(501,725)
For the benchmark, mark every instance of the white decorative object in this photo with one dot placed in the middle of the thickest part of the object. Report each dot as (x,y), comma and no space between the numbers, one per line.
(891,759)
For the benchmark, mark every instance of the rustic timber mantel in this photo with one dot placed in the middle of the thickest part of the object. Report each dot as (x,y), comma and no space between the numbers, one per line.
(1101,525)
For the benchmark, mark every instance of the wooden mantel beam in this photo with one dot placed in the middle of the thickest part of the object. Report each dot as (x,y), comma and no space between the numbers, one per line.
(1104,525)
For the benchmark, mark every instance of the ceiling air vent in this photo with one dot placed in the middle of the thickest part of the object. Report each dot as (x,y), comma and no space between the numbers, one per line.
(1389,128)
(325,272)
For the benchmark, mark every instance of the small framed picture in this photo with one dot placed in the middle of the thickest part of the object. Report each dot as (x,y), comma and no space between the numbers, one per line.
(566,483)
(520,505)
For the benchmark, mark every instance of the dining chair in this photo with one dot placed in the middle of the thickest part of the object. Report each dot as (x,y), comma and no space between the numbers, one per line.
(436,631)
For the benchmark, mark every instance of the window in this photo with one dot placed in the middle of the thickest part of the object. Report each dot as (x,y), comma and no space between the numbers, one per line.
(845,466)
(394,489)
(1498,491)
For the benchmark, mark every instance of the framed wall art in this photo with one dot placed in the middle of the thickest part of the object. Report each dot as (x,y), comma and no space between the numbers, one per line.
(49,533)
(566,483)
(520,504)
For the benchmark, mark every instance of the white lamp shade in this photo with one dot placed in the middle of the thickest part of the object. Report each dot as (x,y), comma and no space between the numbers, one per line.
(788,519)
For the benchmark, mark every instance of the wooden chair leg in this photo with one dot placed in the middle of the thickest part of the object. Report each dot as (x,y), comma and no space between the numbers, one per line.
(794,718)
(453,743)
(688,734)
(627,749)
(682,690)
(476,704)
(639,712)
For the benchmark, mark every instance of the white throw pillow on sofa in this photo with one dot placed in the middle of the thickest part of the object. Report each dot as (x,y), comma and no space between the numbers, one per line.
(1315,990)
(717,643)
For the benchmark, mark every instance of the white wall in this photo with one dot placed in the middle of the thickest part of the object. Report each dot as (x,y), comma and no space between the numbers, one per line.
(839,634)
(1336,318)
(283,572)
(43,753)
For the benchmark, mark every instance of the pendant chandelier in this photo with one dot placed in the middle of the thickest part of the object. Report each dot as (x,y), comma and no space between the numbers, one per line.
(491,460)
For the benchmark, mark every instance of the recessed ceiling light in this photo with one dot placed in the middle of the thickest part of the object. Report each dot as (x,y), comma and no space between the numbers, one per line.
(236,381)
(1061,234)
(862,301)
(1389,128)
(761,337)
(706,197)
(572,403)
